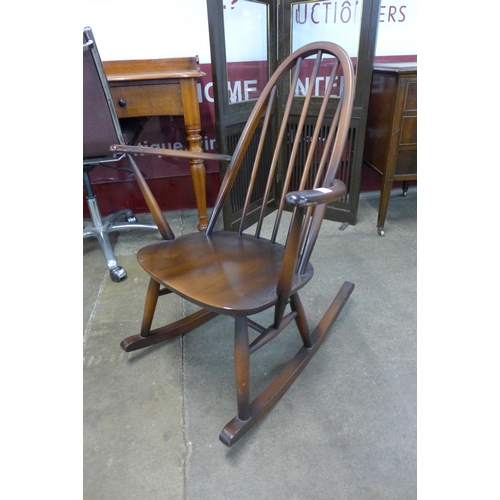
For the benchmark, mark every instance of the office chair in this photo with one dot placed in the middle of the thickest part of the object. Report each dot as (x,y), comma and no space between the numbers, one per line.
(101,129)
(242,273)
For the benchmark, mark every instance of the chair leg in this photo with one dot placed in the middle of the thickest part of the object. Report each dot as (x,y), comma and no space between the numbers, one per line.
(150,307)
(301,320)
(237,428)
(242,367)
(151,202)
(149,337)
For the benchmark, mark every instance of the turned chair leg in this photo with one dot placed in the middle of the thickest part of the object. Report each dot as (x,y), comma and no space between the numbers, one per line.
(237,427)
(149,337)
(149,307)
(242,367)
(301,320)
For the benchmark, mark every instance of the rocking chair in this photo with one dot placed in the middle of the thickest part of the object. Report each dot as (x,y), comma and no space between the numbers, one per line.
(239,274)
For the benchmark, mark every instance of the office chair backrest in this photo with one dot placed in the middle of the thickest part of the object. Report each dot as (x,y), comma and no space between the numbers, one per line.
(101,127)
(312,136)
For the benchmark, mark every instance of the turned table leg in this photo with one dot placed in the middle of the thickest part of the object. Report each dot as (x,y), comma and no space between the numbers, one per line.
(192,122)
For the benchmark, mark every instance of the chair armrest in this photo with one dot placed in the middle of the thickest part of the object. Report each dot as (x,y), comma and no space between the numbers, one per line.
(317,196)
(190,155)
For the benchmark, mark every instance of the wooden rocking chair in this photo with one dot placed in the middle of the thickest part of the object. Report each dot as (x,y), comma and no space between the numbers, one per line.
(239,274)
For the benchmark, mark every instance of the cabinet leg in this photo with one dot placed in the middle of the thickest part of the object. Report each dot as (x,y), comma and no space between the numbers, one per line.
(385,194)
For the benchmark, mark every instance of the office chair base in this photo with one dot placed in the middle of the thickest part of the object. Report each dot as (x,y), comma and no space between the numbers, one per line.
(100,227)
(118,274)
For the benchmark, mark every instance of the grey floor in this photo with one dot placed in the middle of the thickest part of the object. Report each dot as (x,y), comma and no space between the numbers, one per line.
(345,430)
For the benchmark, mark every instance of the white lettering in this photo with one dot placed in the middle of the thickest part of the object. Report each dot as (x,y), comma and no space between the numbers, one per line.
(301,88)
(248,89)
(316,84)
(235,92)
(208,87)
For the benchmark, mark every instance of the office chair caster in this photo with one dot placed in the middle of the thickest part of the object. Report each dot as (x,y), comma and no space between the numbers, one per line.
(117,274)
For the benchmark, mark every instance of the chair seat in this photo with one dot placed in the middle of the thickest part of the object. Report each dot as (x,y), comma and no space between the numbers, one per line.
(223,272)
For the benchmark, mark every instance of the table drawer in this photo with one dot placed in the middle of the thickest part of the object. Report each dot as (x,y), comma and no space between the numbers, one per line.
(147,100)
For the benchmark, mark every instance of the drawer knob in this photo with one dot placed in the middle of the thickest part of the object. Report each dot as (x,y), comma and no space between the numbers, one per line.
(122,103)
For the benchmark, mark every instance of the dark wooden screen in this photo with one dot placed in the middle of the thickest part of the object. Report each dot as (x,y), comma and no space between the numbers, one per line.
(231,118)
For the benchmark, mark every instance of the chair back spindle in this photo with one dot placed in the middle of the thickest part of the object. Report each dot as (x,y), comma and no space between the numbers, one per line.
(311,136)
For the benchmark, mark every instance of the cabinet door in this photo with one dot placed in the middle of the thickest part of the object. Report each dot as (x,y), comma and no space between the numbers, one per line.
(406,129)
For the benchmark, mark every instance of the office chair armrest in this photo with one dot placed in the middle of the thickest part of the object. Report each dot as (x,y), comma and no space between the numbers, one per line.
(317,196)
(190,155)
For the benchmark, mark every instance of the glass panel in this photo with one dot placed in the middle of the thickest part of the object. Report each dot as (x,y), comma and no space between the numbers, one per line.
(246,30)
(335,21)
(397,33)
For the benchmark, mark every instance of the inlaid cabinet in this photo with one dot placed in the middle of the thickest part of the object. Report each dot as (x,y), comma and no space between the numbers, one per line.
(391,134)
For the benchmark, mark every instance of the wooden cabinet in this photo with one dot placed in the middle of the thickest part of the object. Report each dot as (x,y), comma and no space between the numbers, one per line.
(391,134)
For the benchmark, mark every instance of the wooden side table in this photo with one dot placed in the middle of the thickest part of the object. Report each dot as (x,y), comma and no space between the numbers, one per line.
(156,87)
(391,133)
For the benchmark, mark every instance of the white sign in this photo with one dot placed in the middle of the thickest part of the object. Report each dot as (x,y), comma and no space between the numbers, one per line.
(336,21)
(127,29)
(397,28)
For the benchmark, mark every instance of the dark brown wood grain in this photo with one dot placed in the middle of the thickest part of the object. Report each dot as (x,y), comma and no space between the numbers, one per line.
(229,274)
(391,133)
(241,273)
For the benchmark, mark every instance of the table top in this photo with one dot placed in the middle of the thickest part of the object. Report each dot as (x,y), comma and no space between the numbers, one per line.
(152,69)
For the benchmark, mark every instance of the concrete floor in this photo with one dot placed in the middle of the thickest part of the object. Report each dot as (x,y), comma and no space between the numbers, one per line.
(347,427)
